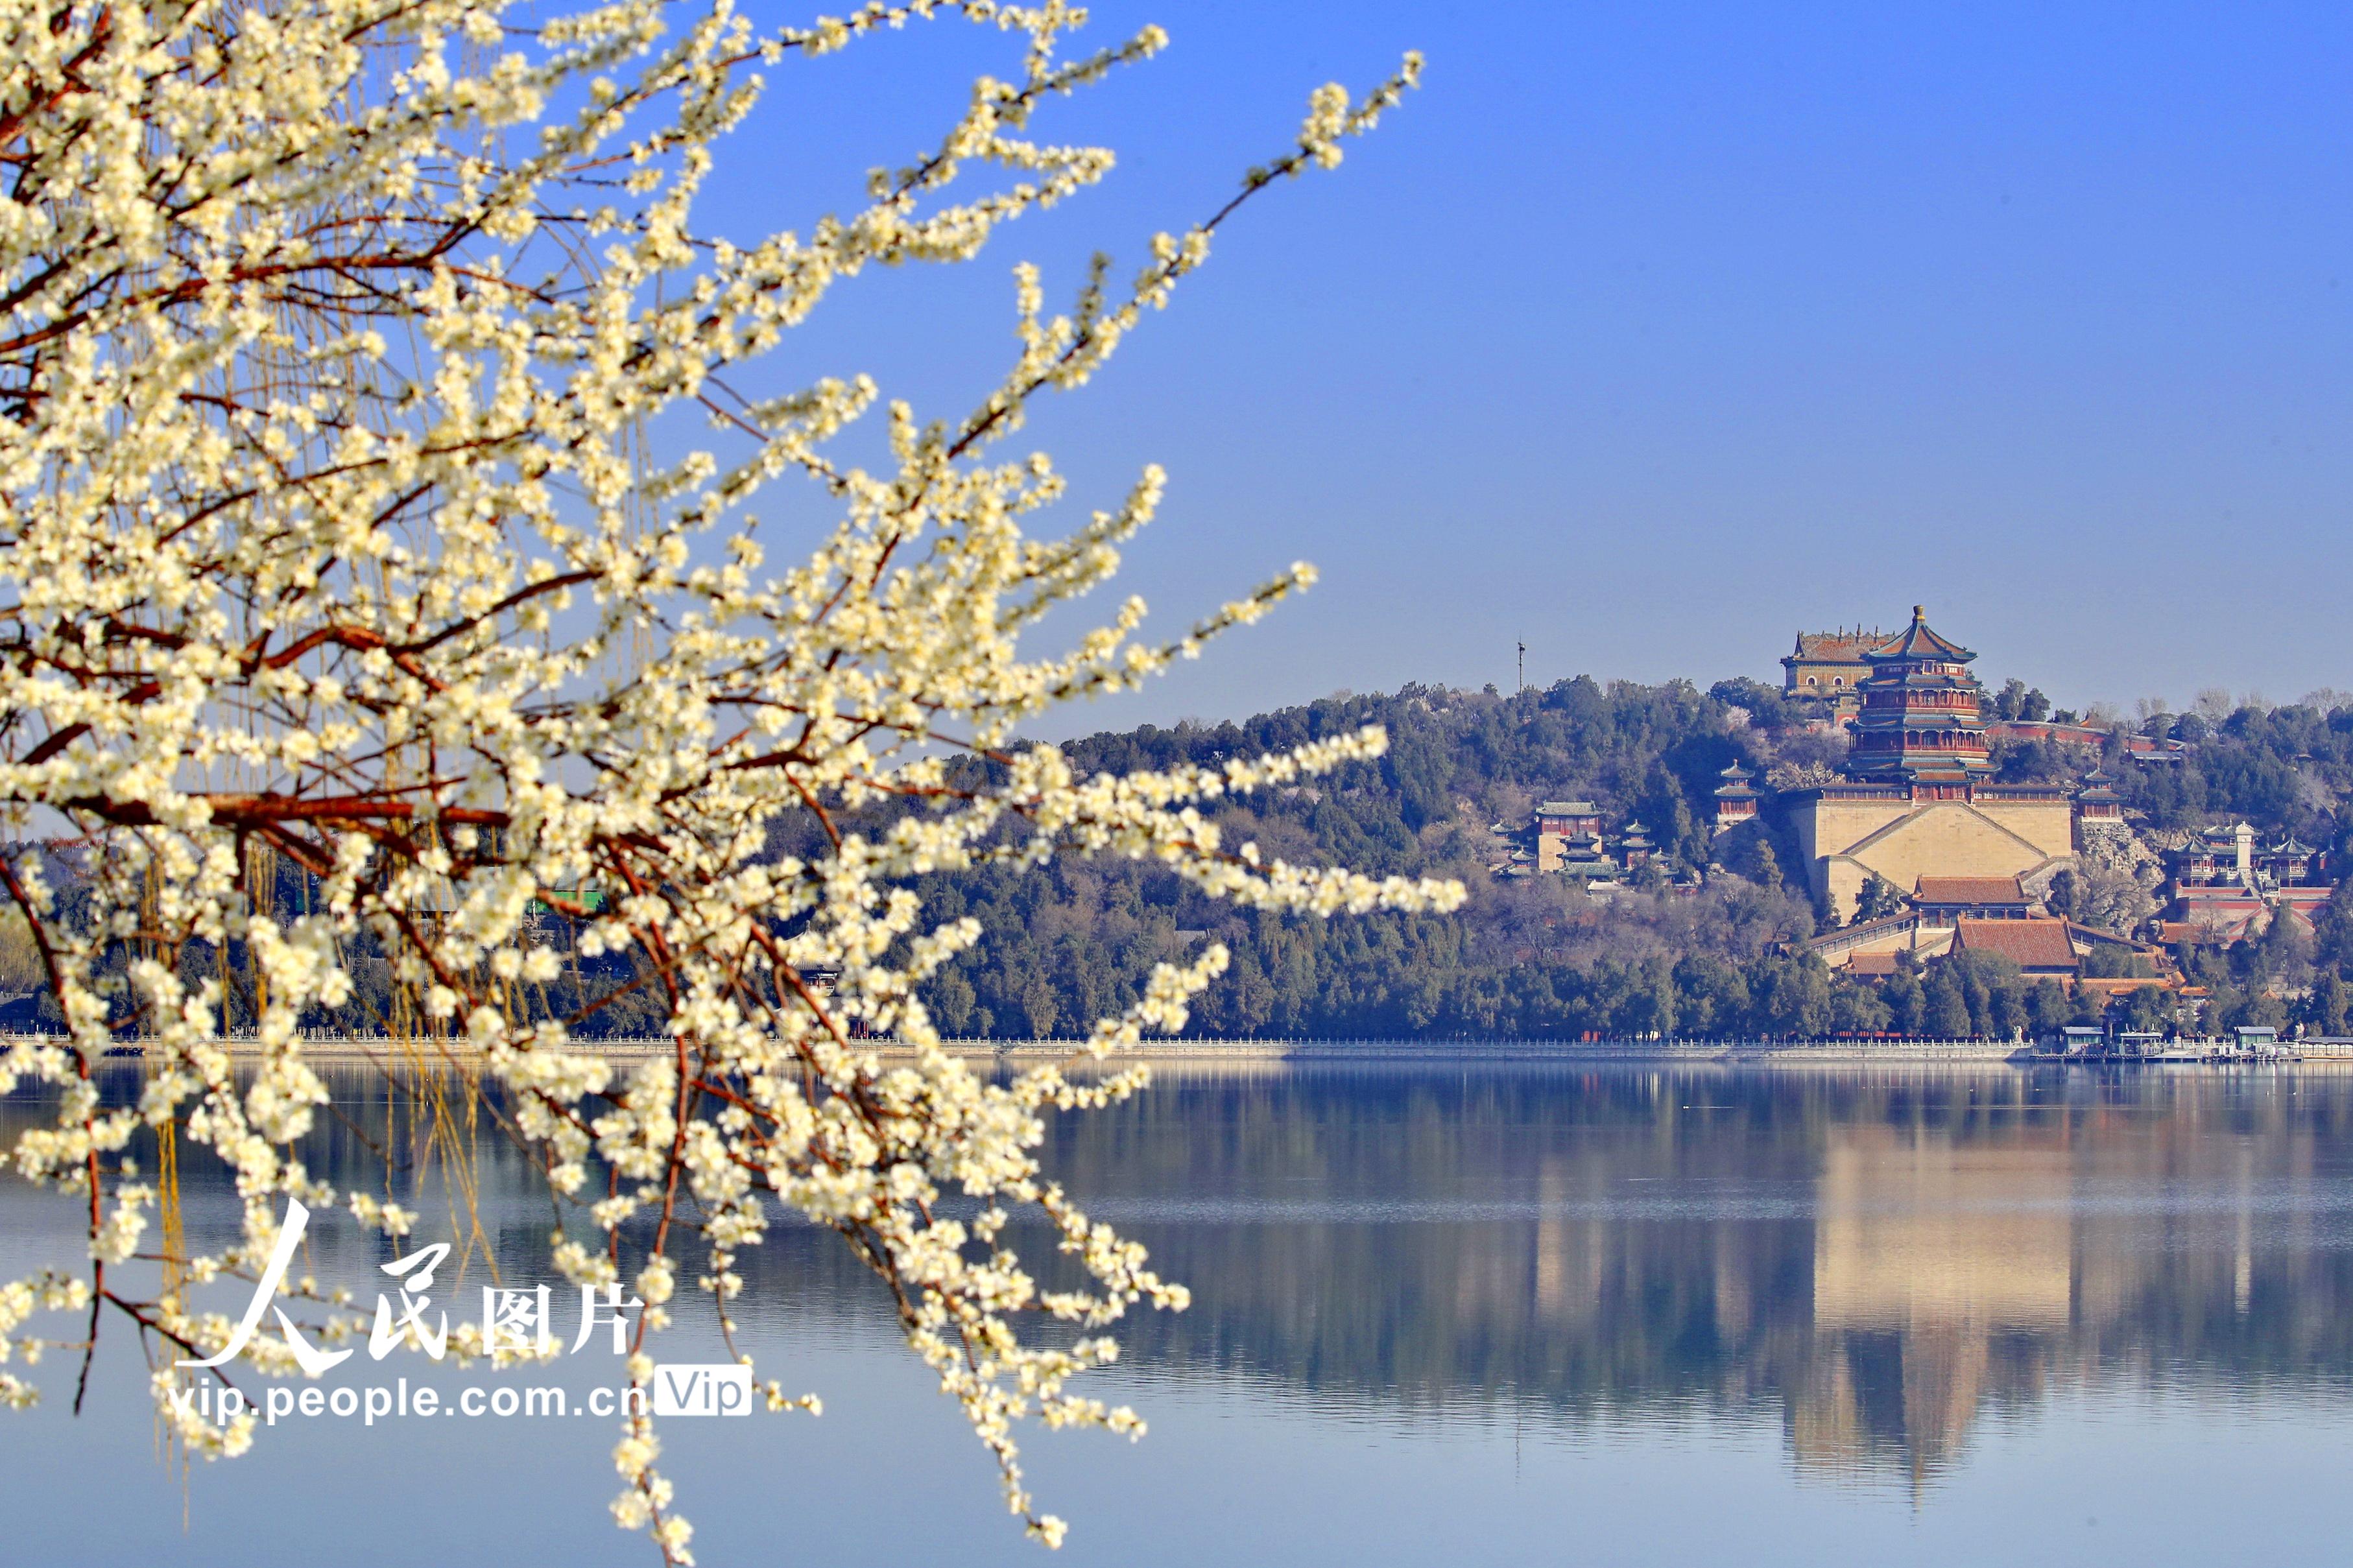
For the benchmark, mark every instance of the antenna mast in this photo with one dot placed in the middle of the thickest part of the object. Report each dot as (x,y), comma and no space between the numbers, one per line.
(1524,666)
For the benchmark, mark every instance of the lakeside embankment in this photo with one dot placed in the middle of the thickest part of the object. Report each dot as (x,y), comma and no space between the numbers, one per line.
(389,1052)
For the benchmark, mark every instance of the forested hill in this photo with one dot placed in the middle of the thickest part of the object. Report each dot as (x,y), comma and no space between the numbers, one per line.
(1706,942)
(1535,956)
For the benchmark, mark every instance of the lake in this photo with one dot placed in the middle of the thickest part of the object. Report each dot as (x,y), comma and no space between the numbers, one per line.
(1595,1314)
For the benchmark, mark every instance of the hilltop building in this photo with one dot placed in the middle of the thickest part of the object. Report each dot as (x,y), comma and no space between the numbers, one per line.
(1583,857)
(1736,798)
(1568,842)
(1830,666)
(1560,821)
(2098,807)
(1918,798)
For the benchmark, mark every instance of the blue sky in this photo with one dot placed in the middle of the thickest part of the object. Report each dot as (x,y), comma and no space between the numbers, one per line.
(1649,334)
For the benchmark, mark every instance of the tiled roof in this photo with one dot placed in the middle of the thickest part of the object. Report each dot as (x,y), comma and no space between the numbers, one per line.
(1970,890)
(1568,809)
(1917,641)
(1836,647)
(2028,943)
(1871,964)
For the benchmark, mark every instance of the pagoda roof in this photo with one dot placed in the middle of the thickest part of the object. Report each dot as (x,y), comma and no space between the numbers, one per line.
(1917,641)
(1734,770)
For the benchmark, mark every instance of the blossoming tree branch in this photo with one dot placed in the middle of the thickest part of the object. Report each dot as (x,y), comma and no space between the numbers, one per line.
(331,535)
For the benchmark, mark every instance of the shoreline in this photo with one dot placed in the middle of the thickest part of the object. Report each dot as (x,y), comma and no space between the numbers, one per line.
(1266,1051)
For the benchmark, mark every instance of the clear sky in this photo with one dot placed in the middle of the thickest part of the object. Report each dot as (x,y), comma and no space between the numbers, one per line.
(1649,333)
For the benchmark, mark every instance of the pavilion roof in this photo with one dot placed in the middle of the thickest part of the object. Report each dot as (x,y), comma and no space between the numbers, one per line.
(1917,641)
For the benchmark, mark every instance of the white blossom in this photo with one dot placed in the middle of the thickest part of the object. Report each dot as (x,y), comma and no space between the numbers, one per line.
(331,337)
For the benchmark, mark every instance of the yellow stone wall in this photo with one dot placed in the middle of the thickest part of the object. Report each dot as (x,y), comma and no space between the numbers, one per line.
(1844,842)
(1822,676)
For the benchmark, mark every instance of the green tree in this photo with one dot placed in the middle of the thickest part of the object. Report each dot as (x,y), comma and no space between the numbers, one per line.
(2143,1011)
(2047,1008)
(2333,928)
(1858,1008)
(953,1003)
(1667,810)
(1041,1006)
(1879,899)
(2113,961)
(2326,1008)
(1947,1005)
(1796,998)
(1906,999)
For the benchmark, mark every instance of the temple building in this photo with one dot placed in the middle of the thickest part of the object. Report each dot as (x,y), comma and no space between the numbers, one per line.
(1736,798)
(2098,807)
(1941,901)
(1584,858)
(1918,798)
(2223,886)
(1560,821)
(1830,666)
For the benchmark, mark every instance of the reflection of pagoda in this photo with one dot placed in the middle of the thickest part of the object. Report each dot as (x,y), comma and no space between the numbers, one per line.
(1920,721)
(1927,1254)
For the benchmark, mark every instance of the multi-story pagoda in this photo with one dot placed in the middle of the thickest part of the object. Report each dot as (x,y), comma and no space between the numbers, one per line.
(1736,798)
(1920,721)
(1919,798)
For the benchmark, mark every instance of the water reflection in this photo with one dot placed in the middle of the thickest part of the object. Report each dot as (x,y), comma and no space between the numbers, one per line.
(1883,1258)
(1879,1261)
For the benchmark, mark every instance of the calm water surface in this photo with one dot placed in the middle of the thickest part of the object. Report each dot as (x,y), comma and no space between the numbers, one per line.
(1591,1316)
